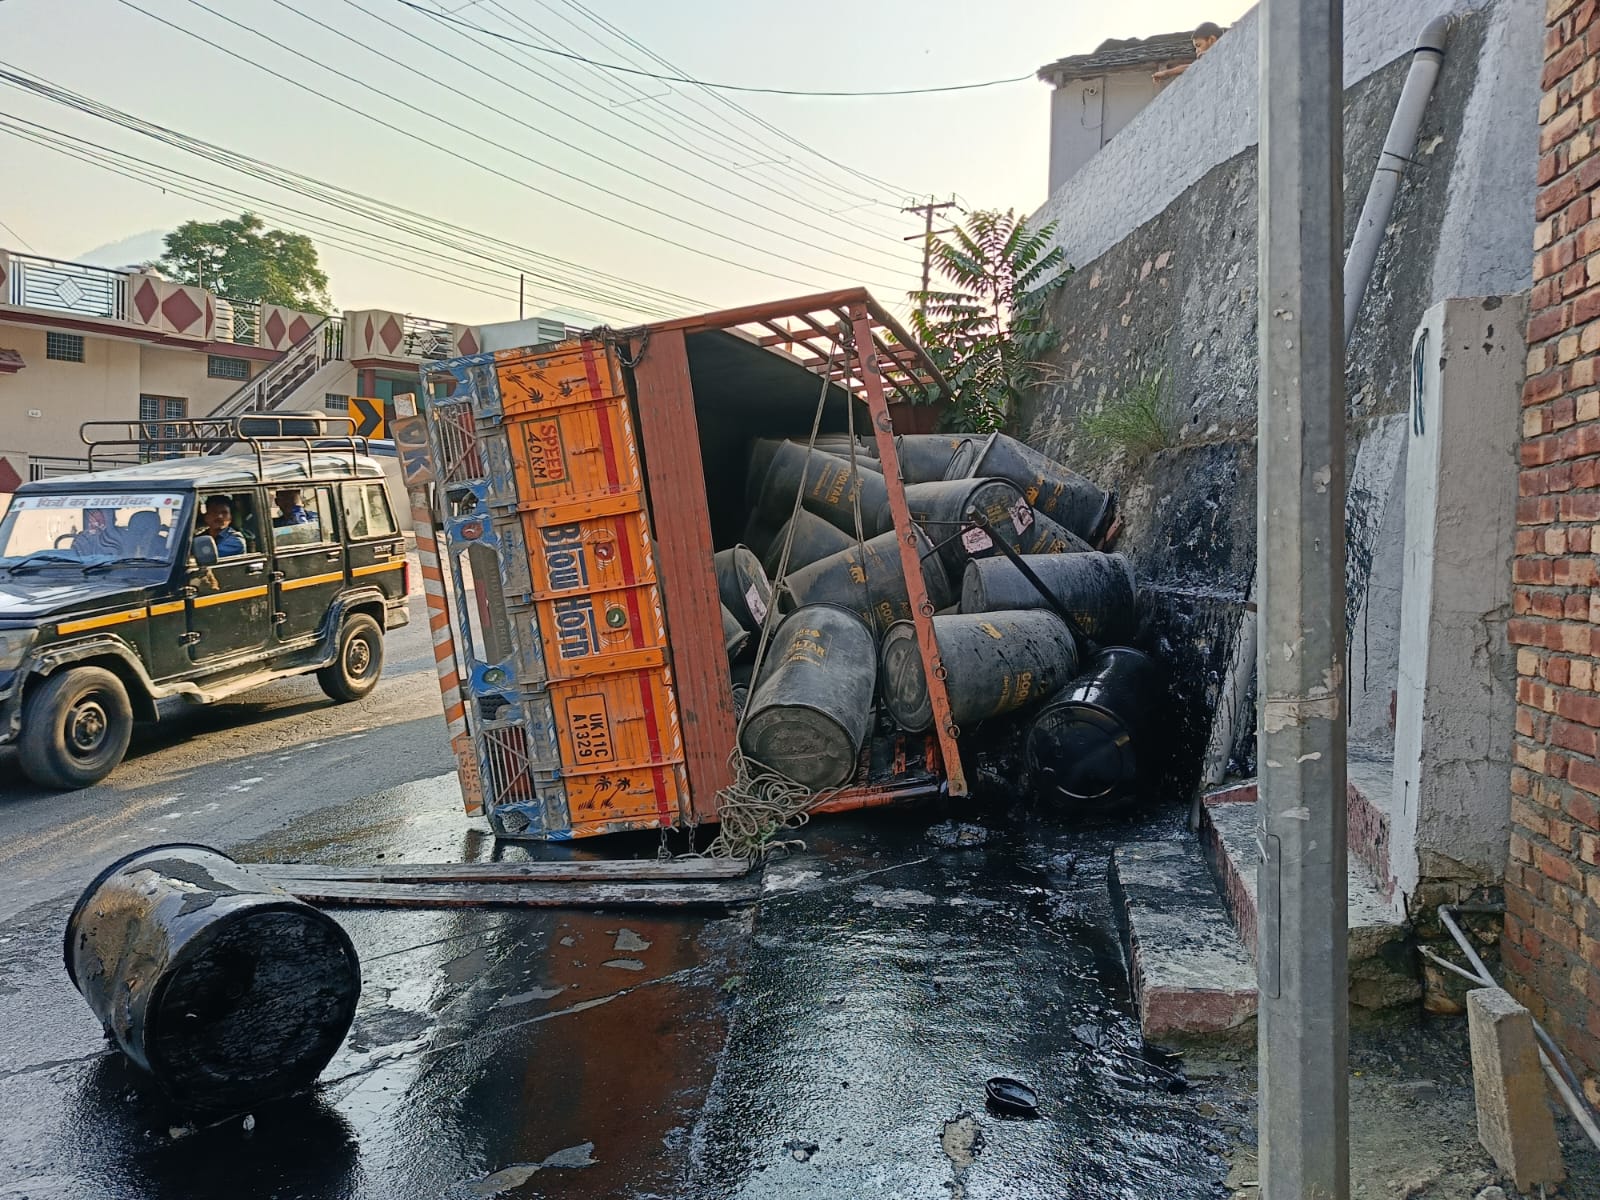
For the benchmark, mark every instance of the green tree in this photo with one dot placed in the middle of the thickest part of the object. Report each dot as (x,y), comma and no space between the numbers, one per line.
(989,331)
(244,260)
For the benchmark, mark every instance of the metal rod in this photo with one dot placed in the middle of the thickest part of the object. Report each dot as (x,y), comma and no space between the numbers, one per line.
(906,536)
(1441,961)
(1302,964)
(1555,1063)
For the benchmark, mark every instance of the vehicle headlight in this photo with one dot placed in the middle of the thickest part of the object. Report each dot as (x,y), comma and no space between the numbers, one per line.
(14,645)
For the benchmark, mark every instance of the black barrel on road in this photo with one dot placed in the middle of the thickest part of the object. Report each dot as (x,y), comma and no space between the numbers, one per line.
(743,586)
(809,711)
(868,579)
(814,538)
(994,663)
(1098,590)
(1096,740)
(1059,493)
(226,991)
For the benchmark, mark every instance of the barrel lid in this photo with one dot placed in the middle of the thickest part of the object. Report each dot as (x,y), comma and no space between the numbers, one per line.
(807,745)
(903,682)
(969,457)
(1081,751)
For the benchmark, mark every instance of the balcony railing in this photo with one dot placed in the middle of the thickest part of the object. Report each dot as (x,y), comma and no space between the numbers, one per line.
(333,340)
(49,466)
(428,339)
(238,321)
(67,287)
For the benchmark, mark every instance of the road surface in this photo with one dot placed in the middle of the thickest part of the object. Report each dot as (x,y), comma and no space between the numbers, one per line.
(833,1042)
(227,773)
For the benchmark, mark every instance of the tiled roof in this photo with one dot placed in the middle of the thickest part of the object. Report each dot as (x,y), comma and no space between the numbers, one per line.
(1121,54)
(10,360)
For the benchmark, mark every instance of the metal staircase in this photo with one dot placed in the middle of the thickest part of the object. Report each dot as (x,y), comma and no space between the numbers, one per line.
(268,390)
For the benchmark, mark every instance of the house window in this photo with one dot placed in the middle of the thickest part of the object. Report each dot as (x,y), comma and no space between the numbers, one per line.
(219,366)
(158,440)
(63,347)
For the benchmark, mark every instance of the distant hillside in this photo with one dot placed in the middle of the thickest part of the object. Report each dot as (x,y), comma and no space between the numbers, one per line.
(128,252)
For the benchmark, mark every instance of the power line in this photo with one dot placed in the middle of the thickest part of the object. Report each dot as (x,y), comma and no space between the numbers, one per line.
(590,283)
(602,132)
(179,186)
(455,156)
(734,105)
(632,144)
(168,180)
(768,158)
(18,236)
(450,19)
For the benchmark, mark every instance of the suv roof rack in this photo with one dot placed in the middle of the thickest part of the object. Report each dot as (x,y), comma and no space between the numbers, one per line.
(193,437)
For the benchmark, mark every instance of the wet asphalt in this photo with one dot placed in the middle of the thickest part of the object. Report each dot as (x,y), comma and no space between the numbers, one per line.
(832,1042)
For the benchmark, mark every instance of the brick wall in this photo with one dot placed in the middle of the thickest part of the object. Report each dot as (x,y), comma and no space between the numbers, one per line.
(1552,933)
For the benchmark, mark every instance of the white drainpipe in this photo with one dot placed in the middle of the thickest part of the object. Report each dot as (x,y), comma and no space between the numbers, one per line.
(1398,147)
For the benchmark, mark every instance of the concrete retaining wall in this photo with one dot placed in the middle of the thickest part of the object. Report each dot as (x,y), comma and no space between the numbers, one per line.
(1161,226)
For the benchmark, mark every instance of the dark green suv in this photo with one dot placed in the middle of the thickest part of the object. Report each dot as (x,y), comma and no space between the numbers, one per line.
(194,577)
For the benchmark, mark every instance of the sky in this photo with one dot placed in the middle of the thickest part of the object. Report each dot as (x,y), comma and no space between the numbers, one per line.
(618,197)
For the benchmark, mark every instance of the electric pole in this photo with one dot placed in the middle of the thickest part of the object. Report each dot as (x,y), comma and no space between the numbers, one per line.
(926,236)
(1303,1023)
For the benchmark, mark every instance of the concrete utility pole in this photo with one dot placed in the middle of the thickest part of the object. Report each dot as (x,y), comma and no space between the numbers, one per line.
(1302,954)
(926,236)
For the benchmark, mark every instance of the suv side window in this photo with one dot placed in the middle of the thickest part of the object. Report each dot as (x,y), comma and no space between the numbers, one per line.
(245,518)
(303,517)
(366,511)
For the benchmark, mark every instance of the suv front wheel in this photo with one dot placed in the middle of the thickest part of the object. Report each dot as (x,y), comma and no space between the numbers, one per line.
(355,669)
(75,728)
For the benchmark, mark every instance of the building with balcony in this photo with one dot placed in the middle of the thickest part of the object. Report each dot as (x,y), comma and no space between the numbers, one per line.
(83,343)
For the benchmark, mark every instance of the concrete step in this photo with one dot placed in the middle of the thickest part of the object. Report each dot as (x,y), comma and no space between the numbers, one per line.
(1383,970)
(1370,785)
(1370,782)
(1191,975)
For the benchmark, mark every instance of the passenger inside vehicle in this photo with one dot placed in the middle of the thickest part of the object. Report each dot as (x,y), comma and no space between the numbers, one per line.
(217,520)
(99,534)
(290,510)
(144,537)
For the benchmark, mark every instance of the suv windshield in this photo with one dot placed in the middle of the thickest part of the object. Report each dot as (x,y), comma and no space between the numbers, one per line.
(89,528)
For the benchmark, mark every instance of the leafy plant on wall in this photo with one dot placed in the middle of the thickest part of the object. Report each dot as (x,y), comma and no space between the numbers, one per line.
(988,332)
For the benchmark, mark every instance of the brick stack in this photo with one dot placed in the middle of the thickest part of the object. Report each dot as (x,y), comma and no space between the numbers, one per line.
(1552,934)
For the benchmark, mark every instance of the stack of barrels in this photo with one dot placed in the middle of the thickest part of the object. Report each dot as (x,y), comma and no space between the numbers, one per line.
(1040,636)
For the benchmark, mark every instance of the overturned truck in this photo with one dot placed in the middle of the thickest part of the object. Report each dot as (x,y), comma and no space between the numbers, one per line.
(657,556)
